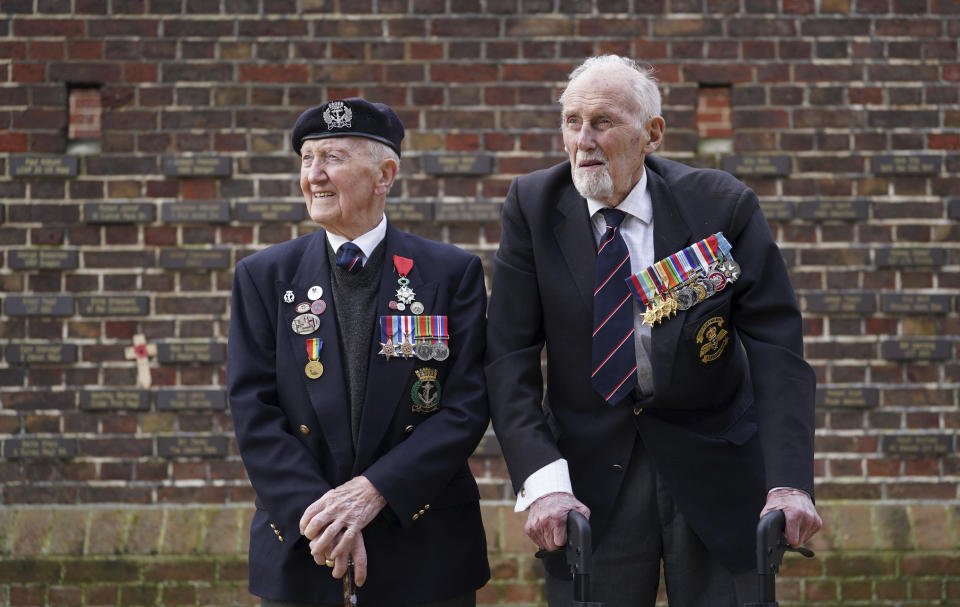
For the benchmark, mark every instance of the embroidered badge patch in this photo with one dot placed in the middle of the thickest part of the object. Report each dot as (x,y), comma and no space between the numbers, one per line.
(425,393)
(714,339)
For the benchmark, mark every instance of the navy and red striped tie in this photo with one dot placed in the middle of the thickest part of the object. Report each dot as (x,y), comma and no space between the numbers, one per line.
(614,359)
(348,257)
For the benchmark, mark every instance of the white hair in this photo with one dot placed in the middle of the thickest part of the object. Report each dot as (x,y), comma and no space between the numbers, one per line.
(644,85)
(378,152)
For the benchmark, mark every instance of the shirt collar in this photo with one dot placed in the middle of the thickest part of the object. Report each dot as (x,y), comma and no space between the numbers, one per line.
(367,242)
(637,203)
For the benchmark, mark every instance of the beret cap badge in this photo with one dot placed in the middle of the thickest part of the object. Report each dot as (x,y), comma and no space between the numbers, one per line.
(338,115)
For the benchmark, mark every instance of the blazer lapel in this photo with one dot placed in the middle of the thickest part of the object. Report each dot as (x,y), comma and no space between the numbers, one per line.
(671,233)
(327,393)
(576,242)
(387,379)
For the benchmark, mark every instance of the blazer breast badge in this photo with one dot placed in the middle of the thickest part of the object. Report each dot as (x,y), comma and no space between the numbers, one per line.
(684,279)
(425,393)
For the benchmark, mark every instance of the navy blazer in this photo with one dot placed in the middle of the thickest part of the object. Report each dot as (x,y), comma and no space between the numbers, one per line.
(724,425)
(294,432)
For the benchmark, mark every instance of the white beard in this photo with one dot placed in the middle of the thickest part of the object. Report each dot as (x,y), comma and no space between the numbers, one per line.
(592,183)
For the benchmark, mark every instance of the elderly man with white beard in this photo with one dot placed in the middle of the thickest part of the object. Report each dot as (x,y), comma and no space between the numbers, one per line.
(678,406)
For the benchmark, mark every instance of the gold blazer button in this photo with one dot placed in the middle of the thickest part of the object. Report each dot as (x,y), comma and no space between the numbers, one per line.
(304,430)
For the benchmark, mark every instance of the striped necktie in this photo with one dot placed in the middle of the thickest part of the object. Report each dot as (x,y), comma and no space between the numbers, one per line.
(614,359)
(348,258)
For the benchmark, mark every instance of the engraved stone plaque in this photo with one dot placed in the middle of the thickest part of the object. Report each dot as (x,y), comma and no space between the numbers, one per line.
(469,211)
(42,259)
(271,211)
(196,166)
(916,349)
(953,208)
(410,211)
(193,446)
(834,209)
(840,303)
(43,166)
(119,212)
(915,303)
(189,400)
(115,400)
(910,257)
(41,353)
(40,448)
(194,258)
(917,444)
(779,210)
(211,211)
(458,164)
(185,353)
(39,305)
(757,166)
(916,164)
(848,398)
(114,305)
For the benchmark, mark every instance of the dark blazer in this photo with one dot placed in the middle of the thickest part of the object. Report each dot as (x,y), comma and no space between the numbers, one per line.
(294,433)
(721,431)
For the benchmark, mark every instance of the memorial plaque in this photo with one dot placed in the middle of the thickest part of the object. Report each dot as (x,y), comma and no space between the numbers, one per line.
(467,211)
(458,164)
(917,164)
(410,211)
(39,305)
(917,444)
(114,305)
(211,211)
(43,166)
(910,257)
(191,400)
(41,353)
(196,166)
(193,446)
(44,448)
(757,166)
(848,398)
(42,259)
(194,258)
(834,209)
(184,353)
(115,400)
(953,208)
(119,212)
(778,210)
(271,211)
(917,349)
(914,303)
(840,303)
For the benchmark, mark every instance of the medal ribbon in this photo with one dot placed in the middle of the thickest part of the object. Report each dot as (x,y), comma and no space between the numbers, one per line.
(431,328)
(314,346)
(664,276)
(402,265)
(394,328)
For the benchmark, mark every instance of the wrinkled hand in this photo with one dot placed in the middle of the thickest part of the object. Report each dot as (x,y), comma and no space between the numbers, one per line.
(333,524)
(802,520)
(547,521)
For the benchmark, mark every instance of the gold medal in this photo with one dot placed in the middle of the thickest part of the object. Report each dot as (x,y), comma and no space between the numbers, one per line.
(313,369)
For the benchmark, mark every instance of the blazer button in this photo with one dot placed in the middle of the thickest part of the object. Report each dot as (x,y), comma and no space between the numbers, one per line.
(638,410)
(408,429)
(304,430)
(280,537)
(272,526)
(416,516)
(616,468)
(426,507)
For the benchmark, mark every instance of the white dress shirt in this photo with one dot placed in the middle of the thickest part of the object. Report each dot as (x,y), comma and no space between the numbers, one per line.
(367,242)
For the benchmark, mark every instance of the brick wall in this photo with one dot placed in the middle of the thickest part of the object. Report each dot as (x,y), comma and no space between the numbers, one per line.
(844,117)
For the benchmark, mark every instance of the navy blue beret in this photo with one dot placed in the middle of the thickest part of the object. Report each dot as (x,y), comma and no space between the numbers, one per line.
(353,117)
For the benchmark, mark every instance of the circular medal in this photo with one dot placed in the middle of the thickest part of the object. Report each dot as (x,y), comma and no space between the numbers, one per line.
(700,290)
(303,308)
(686,298)
(719,280)
(441,352)
(392,305)
(416,307)
(401,306)
(313,369)
(305,324)
(318,307)
(314,293)
(424,351)
(708,285)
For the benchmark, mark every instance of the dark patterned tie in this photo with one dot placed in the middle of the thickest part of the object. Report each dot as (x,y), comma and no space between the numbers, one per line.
(348,258)
(614,358)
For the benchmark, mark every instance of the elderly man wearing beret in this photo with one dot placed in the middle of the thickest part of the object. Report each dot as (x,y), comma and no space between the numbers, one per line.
(356,385)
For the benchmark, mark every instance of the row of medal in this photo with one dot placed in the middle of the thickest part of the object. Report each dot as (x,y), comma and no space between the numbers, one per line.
(306,322)
(684,279)
(425,337)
